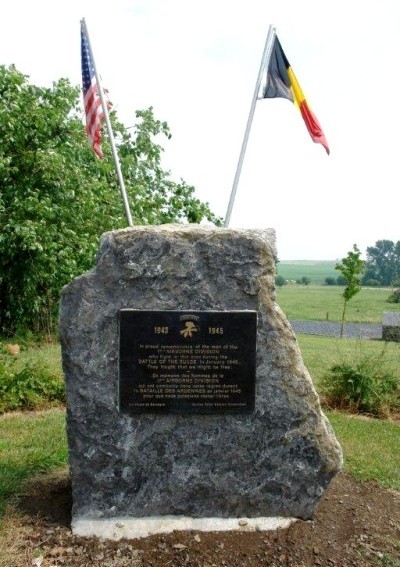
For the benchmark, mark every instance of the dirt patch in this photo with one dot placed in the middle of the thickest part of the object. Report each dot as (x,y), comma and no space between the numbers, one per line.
(356,524)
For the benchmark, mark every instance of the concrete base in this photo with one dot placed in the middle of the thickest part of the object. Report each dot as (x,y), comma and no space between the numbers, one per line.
(131,528)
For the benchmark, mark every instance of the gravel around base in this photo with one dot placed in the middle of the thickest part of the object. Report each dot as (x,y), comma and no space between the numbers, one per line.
(332,329)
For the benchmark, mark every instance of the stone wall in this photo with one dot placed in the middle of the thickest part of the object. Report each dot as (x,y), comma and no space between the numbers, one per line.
(391,326)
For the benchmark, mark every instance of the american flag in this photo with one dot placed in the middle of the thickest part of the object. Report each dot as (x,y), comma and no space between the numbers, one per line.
(91,97)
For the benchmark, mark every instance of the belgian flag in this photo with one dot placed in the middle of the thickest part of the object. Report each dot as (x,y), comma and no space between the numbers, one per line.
(282,82)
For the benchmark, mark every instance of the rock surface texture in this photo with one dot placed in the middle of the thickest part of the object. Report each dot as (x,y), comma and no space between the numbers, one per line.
(391,326)
(276,461)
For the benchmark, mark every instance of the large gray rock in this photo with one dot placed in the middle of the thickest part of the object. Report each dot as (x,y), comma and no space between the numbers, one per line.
(391,326)
(276,461)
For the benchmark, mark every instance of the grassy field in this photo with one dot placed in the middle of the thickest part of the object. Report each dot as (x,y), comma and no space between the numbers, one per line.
(316,270)
(371,448)
(30,442)
(336,351)
(321,303)
(48,353)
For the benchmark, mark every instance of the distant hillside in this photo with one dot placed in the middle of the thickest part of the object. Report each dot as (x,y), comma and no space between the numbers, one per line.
(316,270)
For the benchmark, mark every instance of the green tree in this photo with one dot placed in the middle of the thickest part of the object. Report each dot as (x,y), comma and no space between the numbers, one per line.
(351,268)
(383,262)
(57,197)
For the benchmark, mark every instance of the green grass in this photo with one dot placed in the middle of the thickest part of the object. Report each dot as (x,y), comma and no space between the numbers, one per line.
(31,379)
(29,443)
(339,350)
(48,353)
(321,303)
(371,448)
(316,270)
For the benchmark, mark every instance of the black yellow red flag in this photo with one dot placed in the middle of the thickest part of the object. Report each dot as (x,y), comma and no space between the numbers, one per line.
(282,82)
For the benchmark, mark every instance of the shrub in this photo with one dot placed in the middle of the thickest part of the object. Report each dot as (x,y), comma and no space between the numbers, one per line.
(280,281)
(364,386)
(330,281)
(304,281)
(394,297)
(28,387)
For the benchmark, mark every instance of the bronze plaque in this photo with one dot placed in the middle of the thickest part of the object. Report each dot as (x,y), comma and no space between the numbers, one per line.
(187,361)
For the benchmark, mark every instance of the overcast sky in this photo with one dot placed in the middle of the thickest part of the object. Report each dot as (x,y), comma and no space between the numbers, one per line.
(197,63)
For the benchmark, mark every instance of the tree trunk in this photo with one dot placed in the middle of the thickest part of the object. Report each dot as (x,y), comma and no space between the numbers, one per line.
(343,314)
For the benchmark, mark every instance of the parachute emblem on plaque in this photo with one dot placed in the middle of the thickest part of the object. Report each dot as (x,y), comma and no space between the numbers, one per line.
(189,329)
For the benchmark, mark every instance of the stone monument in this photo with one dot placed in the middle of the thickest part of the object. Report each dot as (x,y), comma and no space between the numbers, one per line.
(391,326)
(188,403)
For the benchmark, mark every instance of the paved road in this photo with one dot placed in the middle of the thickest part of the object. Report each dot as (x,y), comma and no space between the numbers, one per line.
(329,328)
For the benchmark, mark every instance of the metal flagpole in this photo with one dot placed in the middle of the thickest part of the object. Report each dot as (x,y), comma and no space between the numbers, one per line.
(109,129)
(264,63)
